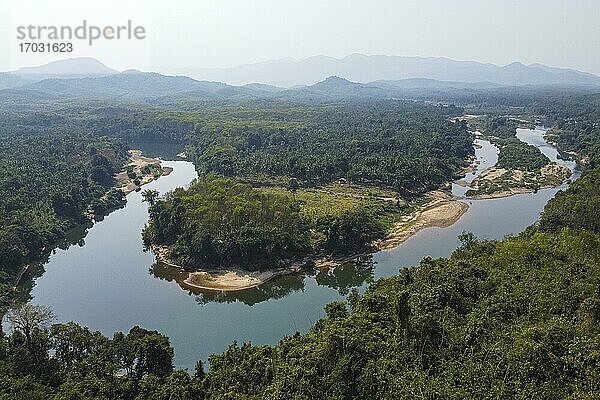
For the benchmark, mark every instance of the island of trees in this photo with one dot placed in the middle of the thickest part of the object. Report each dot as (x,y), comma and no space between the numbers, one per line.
(220,222)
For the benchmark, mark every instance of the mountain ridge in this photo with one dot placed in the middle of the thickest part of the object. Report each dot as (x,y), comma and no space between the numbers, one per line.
(367,68)
(76,67)
(360,68)
(87,77)
(82,66)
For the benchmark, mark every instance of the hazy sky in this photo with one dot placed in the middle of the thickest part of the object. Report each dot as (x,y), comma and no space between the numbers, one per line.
(210,33)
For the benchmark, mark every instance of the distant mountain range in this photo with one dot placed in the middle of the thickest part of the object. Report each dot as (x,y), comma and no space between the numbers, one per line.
(89,78)
(136,85)
(361,68)
(71,67)
(80,67)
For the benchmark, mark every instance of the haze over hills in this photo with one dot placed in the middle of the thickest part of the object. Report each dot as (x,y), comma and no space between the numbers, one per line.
(362,68)
(153,87)
(79,67)
(144,86)
(352,76)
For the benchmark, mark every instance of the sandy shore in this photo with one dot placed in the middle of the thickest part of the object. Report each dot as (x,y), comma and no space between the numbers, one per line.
(440,213)
(508,193)
(226,280)
(504,193)
(553,171)
(234,280)
(138,162)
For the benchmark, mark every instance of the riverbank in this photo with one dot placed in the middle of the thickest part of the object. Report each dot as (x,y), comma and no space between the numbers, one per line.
(137,168)
(441,211)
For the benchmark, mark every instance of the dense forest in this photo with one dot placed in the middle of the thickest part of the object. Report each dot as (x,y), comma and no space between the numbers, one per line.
(218,221)
(53,177)
(516,318)
(511,319)
(576,126)
(405,146)
(411,147)
(579,131)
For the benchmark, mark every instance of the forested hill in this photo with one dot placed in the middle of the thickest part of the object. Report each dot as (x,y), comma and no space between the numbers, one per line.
(577,130)
(576,124)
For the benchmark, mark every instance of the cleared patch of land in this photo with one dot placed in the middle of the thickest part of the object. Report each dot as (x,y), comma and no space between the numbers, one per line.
(335,199)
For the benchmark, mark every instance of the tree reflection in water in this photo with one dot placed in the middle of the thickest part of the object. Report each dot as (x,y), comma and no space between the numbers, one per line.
(347,276)
(343,278)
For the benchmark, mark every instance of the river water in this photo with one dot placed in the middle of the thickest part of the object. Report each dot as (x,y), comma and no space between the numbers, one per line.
(109,283)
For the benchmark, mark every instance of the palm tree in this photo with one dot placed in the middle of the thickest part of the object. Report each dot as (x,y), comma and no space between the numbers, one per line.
(150,196)
(293,186)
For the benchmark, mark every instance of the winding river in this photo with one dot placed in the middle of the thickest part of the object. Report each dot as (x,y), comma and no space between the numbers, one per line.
(109,283)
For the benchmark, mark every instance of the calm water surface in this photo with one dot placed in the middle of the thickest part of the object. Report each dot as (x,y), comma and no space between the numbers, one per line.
(110,284)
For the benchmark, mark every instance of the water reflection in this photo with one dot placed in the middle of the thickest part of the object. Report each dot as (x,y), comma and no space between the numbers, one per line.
(348,276)
(75,237)
(343,278)
(275,289)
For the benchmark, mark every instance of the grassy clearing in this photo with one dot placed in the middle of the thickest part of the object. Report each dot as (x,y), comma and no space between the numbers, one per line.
(336,199)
